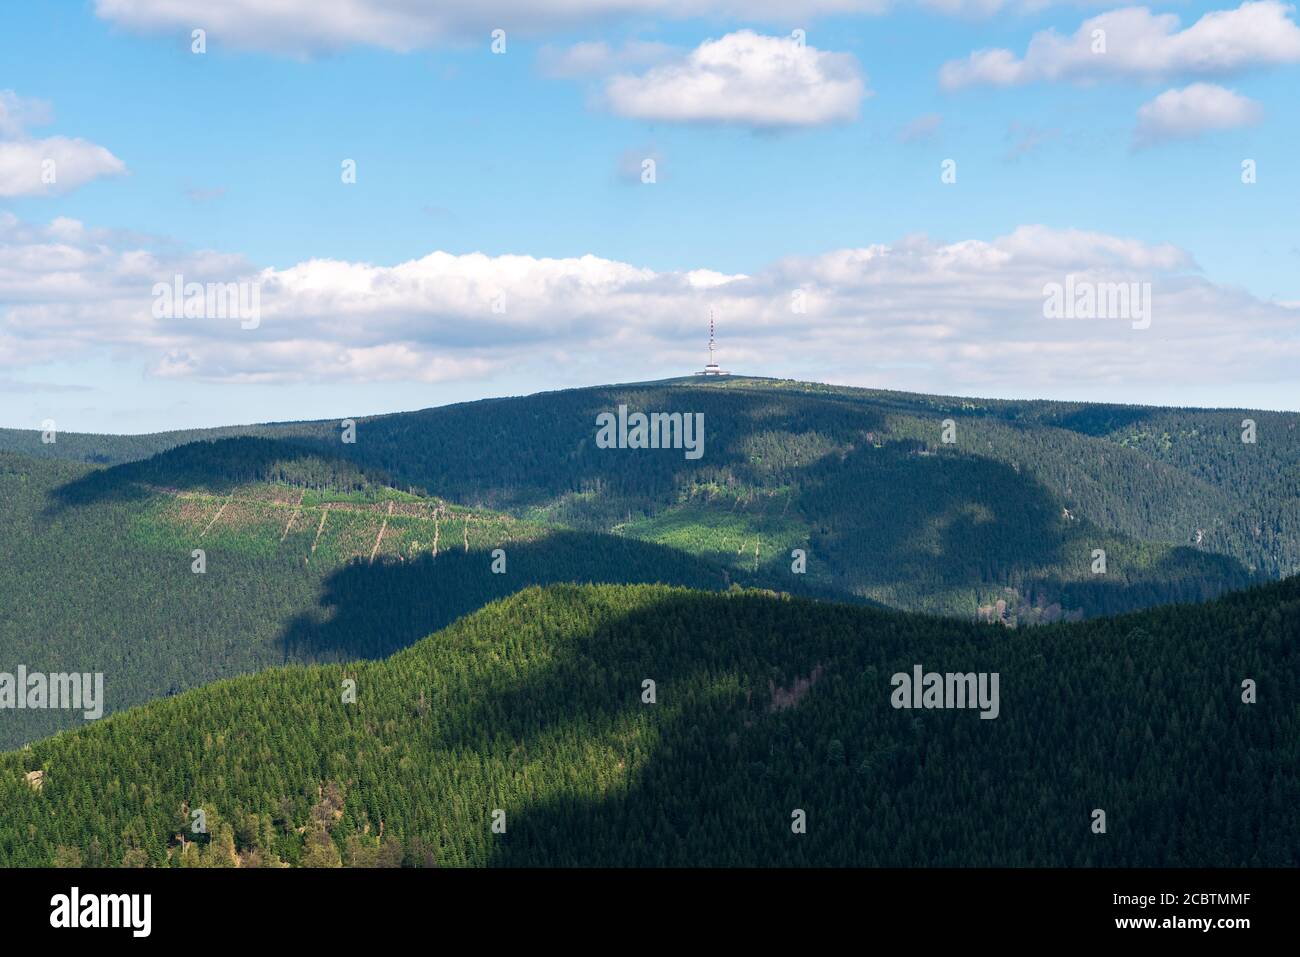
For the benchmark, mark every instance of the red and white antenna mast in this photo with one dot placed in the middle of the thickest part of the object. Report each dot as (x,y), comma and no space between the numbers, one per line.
(711,362)
(712,367)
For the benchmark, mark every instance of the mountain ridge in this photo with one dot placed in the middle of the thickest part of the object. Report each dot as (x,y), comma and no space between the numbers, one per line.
(535,706)
(827,491)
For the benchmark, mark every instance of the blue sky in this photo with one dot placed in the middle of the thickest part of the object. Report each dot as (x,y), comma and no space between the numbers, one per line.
(237,151)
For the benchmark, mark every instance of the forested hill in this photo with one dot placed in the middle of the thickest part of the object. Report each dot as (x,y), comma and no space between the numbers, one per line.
(304,558)
(1002,522)
(320,549)
(534,714)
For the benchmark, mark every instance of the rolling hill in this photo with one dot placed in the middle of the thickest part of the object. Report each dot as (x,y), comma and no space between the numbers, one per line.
(320,550)
(533,713)
(304,559)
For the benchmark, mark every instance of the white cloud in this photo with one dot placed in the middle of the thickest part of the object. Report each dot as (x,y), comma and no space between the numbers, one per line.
(918,314)
(303,27)
(747,79)
(27,166)
(1195,109)
(42,167)
(979,8)
(299,27)
(1140,44)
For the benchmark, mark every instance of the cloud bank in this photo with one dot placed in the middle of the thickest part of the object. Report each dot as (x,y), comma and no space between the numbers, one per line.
(1136,43)
(964,315)
(304,27)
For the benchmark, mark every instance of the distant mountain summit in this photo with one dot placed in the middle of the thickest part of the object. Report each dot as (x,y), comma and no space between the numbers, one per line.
(317,549)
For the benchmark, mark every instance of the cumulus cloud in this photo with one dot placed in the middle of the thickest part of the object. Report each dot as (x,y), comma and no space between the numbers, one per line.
(932,315)
(53,165)
(39,167)
(982,8)
(1191,111)
(303,27)
(1134,42)
(747,79)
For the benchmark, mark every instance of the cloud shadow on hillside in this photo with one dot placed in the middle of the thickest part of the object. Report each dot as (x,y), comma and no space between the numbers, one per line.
(372,610)
(218,466)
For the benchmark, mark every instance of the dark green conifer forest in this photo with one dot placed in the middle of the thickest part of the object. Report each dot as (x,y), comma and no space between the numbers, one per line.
(764,705)
(498,588)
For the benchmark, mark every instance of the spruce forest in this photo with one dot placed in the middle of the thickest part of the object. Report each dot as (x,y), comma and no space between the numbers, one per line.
(470,636)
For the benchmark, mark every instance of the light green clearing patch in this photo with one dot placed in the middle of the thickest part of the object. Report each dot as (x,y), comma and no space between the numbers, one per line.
(727,537)
(269,520)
